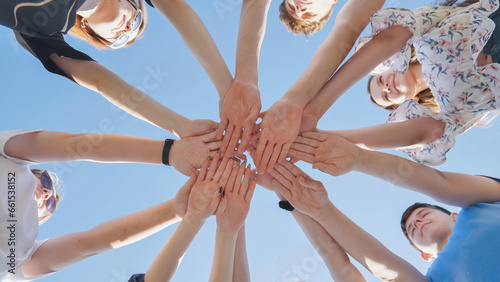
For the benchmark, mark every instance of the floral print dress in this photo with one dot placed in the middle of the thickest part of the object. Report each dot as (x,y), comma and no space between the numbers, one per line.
(447,41)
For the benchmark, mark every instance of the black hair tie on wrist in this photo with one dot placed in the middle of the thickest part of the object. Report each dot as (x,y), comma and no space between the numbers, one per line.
(286,206)
(165,156)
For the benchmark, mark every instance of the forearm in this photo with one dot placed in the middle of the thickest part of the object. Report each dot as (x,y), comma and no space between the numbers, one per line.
(365,248)
(196,36)
(350,22)
(250,35)
(394,135)
(241,271)
(446,187)
(50,146)
(333,255)
(223,264)
(170,256)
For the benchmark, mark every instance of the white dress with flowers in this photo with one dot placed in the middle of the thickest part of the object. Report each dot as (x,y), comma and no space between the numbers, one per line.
(447,41)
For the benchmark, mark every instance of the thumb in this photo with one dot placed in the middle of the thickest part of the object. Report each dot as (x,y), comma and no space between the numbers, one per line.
(307,182)
(216,198)
(262,114)
(189,184)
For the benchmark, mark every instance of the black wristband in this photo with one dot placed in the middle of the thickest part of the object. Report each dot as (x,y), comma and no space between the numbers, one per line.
(286,205)
(165,156)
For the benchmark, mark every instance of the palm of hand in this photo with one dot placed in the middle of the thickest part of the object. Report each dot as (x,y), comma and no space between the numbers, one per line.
(190,155)
(337,154)
(241,101)
(197,127)
(281,123)
(235,213)
(200,199)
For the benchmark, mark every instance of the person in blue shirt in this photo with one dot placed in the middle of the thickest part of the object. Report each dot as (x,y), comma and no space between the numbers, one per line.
(463,246)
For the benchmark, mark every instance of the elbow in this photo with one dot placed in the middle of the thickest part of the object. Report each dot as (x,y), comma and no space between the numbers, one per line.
(396,35)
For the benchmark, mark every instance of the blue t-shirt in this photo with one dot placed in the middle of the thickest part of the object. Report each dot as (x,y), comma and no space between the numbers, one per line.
(473,250)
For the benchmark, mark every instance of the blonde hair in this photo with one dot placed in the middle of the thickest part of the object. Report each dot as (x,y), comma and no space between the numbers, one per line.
(57,182)
(299,26)
(87,34)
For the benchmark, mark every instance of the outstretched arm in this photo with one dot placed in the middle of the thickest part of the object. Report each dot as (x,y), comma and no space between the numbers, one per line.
(379,49)
(337,156)
(241,271)
(240,108)
(63,251)
(310,197)
(96,77)
(50,146)
(393,135)
(198,39)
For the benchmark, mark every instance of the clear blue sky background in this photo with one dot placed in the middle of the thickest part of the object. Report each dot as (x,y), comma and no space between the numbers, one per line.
(95,193)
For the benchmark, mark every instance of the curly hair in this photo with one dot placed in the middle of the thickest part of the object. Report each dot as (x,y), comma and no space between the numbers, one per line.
(300,26)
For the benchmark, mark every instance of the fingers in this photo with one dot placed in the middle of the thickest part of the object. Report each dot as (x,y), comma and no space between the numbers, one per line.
(209,137)
(232,179)
(274,157)
(203,171)
(303,147)
(316,135)
(251,188)
(298,155)
(295,170)
(287,174)
(213,167)
(214,145)
(329,169)
(247,133)
(307,182)
(222,127)
(221,169)
(282,189)
(266,156)
(284,152)
(259,152)
(233,143)
(227,138)
(226,173)
(280,178)
(239,178)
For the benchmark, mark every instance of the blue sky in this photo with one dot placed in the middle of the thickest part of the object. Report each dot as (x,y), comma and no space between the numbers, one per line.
(95,193)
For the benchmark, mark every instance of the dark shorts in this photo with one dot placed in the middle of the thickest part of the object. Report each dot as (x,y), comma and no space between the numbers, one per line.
(492,47)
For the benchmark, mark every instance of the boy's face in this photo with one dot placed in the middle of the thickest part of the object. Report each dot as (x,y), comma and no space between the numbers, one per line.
(429,229)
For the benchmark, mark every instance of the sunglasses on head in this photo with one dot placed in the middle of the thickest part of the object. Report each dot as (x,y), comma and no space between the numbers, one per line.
(47,183)
(125,37)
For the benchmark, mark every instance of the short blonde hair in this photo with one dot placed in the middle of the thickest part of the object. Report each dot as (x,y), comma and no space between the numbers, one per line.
(299,26)
(87,34)
(58,189)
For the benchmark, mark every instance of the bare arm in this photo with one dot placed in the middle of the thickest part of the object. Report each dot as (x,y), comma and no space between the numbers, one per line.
(50,146)
(61,252)
(350,22)
(451,188)
(241,271)
(96,77)
(310,197)
(393,135)
(198,39)
(337,156)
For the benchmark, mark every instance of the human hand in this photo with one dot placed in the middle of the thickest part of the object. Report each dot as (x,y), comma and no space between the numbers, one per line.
(205,194)
(329,153)
(182,197)
(238,112)
(304,193)
(235,203)
(196,127)
(279,128)
(187,154)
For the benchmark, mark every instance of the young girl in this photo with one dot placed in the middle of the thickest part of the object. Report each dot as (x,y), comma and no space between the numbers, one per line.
(40,29)
(451,44)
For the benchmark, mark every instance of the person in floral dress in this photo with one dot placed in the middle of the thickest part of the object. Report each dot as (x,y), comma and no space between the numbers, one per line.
(449,43)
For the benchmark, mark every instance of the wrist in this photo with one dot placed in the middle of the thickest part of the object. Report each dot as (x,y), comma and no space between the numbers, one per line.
(297,97)
(226,233)
(324,213)
(362,162)
(192,218)
(167,152)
